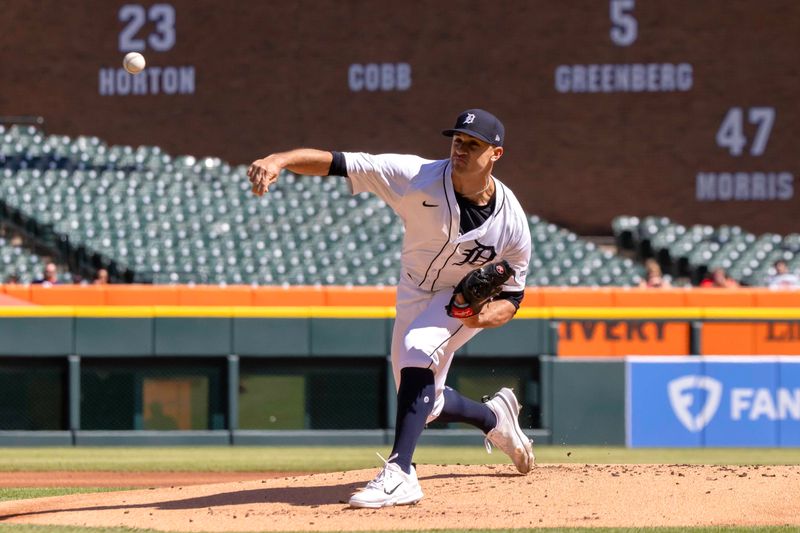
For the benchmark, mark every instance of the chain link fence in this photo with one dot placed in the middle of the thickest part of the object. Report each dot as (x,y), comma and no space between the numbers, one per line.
(33,394)
(476,378)
(312,394)
(153,394)
(273,393)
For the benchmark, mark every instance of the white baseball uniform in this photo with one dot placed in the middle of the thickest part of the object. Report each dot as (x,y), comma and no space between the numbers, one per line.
(435,255)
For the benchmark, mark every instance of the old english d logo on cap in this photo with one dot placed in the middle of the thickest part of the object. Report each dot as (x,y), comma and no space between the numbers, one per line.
(480,124)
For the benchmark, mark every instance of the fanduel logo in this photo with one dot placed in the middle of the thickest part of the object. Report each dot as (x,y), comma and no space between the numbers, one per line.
(681,399)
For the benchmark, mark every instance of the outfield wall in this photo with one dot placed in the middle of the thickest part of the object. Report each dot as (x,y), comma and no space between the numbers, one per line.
(713,402)
(610,107)
(180,374)
(590,321)
(103,375)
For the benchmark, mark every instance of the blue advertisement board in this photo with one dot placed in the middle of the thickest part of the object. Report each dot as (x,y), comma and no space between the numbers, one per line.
(713,401)
(789,404)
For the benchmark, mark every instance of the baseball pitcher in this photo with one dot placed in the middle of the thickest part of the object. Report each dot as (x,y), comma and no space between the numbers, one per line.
(464,261)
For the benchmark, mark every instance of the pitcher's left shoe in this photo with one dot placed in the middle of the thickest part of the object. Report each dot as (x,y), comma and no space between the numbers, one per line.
(507,435)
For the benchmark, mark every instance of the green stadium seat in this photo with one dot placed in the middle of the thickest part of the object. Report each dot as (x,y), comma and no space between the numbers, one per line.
(174,218)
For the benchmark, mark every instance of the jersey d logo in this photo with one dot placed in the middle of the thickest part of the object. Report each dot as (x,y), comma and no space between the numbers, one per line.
(470,118)
(480,255)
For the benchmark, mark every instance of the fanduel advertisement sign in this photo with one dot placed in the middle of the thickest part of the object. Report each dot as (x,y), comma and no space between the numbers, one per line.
(713,401)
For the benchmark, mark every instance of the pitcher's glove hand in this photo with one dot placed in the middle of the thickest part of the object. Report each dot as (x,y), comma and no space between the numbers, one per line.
(477,288)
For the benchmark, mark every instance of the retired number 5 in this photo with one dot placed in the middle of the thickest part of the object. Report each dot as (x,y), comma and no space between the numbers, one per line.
(624,27)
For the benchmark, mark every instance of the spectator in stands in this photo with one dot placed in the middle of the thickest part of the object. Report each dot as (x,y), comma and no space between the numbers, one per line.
(101,277)
(50,275)
(12,279)
(783,278)
(653,277)
(719,279)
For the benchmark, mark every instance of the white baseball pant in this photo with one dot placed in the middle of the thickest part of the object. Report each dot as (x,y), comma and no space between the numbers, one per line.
(425,337)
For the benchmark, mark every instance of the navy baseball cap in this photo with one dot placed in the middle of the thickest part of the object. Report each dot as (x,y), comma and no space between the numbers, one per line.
(479,124)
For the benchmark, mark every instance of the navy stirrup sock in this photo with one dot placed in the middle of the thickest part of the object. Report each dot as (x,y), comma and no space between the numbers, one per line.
(458,408)
(414,404)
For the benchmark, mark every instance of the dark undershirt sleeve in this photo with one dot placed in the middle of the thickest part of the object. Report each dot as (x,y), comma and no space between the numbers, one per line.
(515,297)
(338,165)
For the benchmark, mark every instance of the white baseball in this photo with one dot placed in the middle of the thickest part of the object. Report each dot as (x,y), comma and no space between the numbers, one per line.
(133,62)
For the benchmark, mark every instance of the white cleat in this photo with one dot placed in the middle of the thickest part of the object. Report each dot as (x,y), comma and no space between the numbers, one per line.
(507,435)
(391,487)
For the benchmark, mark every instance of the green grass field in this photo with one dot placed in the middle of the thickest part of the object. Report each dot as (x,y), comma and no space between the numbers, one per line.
(330,459)
(322,459)
(24,493)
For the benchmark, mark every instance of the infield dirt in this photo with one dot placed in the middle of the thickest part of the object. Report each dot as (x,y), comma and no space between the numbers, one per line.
(485,496)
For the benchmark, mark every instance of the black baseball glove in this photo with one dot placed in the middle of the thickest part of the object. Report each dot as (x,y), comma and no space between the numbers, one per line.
(477,288)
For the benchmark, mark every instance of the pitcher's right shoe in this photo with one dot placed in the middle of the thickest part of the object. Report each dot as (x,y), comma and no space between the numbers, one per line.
(507,435)
(392,486)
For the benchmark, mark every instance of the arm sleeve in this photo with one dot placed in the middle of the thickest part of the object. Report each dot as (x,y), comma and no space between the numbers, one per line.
(338,165)
(386,175)
(515,297)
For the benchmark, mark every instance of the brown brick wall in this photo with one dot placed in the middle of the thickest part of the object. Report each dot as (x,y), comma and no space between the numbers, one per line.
(274,75)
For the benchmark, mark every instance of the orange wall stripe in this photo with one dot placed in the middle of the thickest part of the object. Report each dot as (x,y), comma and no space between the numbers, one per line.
(292,296)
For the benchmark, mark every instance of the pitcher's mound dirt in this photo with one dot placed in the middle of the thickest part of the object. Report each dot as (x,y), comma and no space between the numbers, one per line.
(455,497)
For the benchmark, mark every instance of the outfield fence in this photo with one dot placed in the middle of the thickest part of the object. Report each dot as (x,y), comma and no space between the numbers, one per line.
(255,375)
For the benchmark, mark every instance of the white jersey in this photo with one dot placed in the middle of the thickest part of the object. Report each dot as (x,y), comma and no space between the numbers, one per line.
(435,255)
(784,281)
